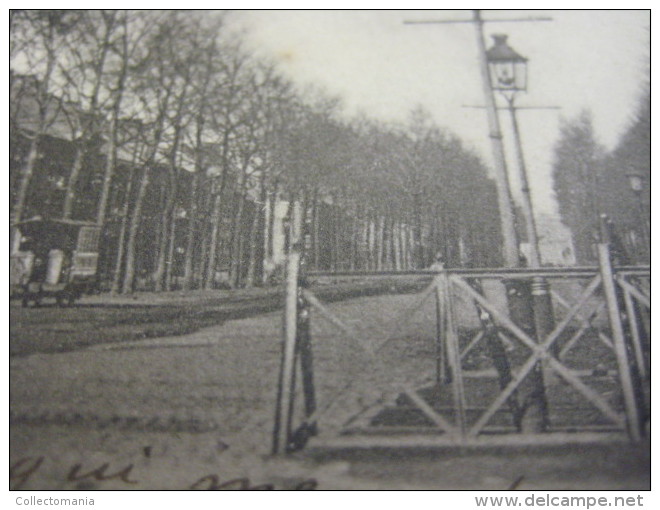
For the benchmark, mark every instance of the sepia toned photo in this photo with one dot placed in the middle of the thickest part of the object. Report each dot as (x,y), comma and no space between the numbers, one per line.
(330,250)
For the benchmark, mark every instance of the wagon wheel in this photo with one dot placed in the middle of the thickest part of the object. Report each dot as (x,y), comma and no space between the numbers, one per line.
(66,299)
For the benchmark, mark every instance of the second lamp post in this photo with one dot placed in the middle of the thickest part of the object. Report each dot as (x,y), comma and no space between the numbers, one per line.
(508,70)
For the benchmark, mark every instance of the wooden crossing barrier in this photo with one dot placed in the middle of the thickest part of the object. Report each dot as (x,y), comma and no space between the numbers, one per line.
(623,333)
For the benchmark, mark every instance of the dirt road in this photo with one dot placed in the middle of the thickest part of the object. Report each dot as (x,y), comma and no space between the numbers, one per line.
(196,411)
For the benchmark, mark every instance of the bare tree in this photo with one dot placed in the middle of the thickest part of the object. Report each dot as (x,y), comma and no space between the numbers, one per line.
(88,48)
(206,69)
(577,165)
(227,116)
(41,35)
(175,57)
(131,29)
(154,105)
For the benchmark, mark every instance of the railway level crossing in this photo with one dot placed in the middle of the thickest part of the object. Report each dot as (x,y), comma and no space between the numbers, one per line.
(595,362)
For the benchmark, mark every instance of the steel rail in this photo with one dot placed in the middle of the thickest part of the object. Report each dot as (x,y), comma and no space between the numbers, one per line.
(570,272)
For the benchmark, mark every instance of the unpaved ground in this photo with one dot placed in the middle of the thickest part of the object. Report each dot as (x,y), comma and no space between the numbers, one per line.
(166,461)
(105,318)
(196,411)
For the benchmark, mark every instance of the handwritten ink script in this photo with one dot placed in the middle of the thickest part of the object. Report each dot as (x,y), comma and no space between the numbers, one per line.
(26,468)
(213,483)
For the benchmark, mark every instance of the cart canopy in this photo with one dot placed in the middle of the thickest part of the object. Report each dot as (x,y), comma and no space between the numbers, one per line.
(42,235)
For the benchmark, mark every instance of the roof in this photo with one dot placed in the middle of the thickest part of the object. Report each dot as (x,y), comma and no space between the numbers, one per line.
(501,51)
(42,235)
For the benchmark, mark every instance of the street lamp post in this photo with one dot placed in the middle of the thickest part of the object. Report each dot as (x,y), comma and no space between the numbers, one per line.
(508,71)
(636,181)
(509,240)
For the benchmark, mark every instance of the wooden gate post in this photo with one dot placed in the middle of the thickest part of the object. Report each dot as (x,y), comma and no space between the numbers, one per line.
(633,324)
(286,384)
(454,359)
(304,350)
(632,413)
(442,375)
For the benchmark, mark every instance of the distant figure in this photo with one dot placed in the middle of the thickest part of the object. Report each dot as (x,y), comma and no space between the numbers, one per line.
(617,248)
(19,270)
(439,262)
(39,269)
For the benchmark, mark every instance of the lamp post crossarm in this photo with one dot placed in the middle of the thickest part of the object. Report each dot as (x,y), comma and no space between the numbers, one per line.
(450,21)
(481,107)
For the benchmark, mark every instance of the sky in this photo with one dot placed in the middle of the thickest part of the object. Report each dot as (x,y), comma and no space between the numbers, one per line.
(595,60)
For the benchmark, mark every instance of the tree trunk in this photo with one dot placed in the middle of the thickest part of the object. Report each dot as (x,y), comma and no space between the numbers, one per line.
(316,249)
(390,244)
(161,240)
(369,241)
(258,244)
(366,254)
(355,236)
(116,277)
(269,243)
(166,228)
(410,248)
(418,253)
(272,208)
(235,267)
(169,264)
(136,216)
(254,257)
(90,127)
(380,231)
(76,167)
(383,243)
(216,215)
(27,171)
(304,213)
(209,280)
(204,229)
(110,164)
(335,237)
(119,260)
(188,261)
(26,176)
(111,161)
(252,250)
(396,233)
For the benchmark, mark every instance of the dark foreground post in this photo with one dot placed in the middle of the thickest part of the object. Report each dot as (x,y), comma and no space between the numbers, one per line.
(533,406)
(624,364)
(304,349)
(286,384)
(442,374)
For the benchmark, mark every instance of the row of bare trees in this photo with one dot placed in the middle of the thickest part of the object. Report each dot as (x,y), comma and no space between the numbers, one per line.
(590,181)
(158,126)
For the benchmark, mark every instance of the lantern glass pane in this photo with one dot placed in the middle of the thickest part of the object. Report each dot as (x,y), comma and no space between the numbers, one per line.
(502,75)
